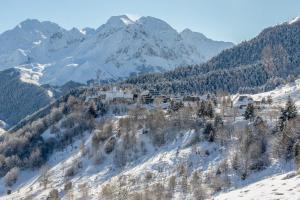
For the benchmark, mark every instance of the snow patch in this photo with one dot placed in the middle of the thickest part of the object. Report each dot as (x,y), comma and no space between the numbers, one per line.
(37,42)
(50,93)
(294,20)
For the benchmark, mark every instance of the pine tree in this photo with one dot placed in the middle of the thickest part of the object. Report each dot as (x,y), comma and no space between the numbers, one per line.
(202,110)
(218,122)
(290,109)
(209,132)
(210,110)
(288,113)
(92,110)
(206,109)
(249,112)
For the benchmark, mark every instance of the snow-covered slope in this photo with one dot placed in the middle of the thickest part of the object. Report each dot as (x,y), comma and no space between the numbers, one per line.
(135,164)
(161,163)
(284,187)
(119,48)
(281,94)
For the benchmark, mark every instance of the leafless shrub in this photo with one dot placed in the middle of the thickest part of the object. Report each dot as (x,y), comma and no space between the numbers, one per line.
(84,190)
(108,191)
(53,195)
(110,145)
(44,177)
(158,191)
(73,169)
(148,176)
(11,177)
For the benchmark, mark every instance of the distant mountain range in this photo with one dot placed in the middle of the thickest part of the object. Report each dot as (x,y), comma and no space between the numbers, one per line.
(50,54)
(255,65)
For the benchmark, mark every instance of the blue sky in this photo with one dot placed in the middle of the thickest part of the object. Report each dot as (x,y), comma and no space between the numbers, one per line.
(229,20)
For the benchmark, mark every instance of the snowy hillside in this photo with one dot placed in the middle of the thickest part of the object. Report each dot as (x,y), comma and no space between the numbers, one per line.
(281,93)
(151,166)
(92,149)
(284,187)
(117,49)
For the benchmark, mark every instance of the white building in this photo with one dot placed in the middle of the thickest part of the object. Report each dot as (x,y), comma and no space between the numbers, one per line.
(116,94)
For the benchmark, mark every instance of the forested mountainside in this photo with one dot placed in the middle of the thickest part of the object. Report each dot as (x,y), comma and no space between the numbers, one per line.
(19,97)
(257,64)
(117,49)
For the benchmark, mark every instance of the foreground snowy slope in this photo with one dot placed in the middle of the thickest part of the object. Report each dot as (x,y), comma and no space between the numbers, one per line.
(154,166)
(160,164)
(284,187)
(117,49)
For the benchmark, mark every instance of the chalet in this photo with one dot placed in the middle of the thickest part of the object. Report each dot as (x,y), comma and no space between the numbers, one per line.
(153,93)
(257,103)
(146,97)
(177,98)
(191,98)
(242,101)
(163,98)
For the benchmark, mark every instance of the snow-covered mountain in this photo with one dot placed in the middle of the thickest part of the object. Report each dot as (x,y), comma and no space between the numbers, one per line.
(119,48)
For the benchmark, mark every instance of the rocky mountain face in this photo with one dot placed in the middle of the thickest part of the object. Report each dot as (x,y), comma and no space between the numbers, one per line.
(119,48)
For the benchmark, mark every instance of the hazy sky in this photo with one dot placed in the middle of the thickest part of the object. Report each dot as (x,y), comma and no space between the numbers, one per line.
(229,20)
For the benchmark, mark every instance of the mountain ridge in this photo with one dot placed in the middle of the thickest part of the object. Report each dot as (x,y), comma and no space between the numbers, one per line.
(121,47)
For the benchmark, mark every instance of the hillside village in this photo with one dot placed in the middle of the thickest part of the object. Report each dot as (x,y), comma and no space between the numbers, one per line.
(136,110)
(184,137)
(232,105)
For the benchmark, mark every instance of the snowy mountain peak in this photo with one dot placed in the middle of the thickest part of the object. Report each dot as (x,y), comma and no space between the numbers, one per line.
(76,32)
(36,25)
(189,33)
(87,31)
(119,48)
(29,23)
(154,24)
(119,21)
